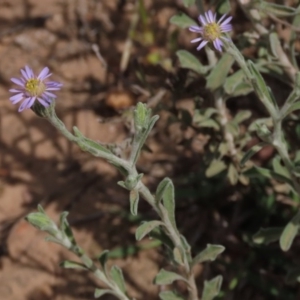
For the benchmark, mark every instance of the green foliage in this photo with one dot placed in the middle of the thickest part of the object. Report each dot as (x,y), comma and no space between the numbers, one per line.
(182,20)
(145,228)
(289,232)
(166,277)
(212,288)
(216,79)
(210,253)
(189,61)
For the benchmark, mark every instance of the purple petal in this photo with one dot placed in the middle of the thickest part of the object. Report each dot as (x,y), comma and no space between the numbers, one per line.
(218,44)
(29,72)
(196,29)
(202,20)
(18,81)
(226,28)
(222,18)
(16,90)
(196,40)
(211,16)
(54,84)
(27,103)
(49,94)
(44,102)
(16,98)
(44,74)
(24,74)
(202,44)
(226,21)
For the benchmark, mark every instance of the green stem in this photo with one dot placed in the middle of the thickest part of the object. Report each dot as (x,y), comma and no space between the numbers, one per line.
(97,272)
(175,237)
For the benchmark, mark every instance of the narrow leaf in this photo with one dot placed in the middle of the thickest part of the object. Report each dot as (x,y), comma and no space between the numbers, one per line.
(275,9)
(252,151)
(117,276)
(219,73)
(68,264)
(257,171)
(134,201)
(145,228)
(188,3)
(158,234)
(166,277)
(170,295)
(178,256)
(210,253)
(212,288)
(189,61)
(241,116)
(292,108)
(290,232)
(261,87)
(215,167)
(161,188)
(182,20)
(99,292)
(166,191)
(102,258)
(232,174)
(267,235)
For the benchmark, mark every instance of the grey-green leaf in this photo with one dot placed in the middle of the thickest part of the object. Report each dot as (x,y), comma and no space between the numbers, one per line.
(188,3)
(170,295)
(165,190)
(134,201)
(252,151)
(189,61)
(212,288)
(210,253)
(219,73)
(241,116)
(117,276)
(275,9)
(161,188)
(145,228)
(178,256)
(68,264)
(182,20)
(102,258)
(100,292)
(166,277)
(223,7)
(290,232)
(261,87)
(267,235)
(215,167)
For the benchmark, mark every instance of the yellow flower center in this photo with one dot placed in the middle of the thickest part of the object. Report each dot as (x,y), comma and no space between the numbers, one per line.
(35,87)
(211,32)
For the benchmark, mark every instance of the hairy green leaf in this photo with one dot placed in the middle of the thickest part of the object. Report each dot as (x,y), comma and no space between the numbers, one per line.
(189,61)
(267,235)
(145,228)
(182,20)
(210,253)
(212,288)
(166,277)
(117,276)
(290,231)
(170,295)
(217,76)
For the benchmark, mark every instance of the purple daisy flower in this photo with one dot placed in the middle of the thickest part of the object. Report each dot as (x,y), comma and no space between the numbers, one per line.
(211,30)
(32,88)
